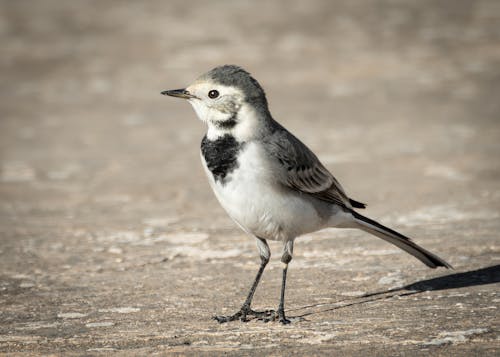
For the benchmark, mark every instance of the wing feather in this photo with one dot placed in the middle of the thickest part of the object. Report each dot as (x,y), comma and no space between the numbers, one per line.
(303,171)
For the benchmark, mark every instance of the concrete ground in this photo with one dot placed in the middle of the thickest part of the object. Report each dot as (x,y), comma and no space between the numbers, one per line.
(111,240)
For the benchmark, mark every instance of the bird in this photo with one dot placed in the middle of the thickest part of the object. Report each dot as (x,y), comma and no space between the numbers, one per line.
(270,183)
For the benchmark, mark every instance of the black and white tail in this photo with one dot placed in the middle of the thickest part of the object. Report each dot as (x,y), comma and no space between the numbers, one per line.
(399,240)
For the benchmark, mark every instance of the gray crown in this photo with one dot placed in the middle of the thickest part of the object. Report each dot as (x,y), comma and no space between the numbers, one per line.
(234,76)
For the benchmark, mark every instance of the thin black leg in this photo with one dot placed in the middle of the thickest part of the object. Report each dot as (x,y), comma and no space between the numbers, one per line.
(281,308)
(245,309)
(285,259)
(249,298)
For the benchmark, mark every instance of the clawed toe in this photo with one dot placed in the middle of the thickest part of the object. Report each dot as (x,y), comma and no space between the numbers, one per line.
(281,317)
(266,316)
(284,321)
(222,319)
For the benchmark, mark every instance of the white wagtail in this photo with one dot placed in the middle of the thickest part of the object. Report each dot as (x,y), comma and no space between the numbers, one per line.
(267,180)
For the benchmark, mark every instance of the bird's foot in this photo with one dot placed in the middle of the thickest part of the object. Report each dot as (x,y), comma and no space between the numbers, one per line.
(271,315)
(266,315)
(281,317)
(238,316)
(242,315)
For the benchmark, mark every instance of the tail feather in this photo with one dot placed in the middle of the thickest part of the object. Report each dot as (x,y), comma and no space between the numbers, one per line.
(357,204)
(399,240)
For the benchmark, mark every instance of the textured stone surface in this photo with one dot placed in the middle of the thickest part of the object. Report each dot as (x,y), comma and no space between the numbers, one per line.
(112,241)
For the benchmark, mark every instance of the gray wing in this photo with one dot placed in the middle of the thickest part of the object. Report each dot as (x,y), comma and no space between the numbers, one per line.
(304,172)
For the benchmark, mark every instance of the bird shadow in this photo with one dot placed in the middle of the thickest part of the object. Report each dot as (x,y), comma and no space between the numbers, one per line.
(483,276)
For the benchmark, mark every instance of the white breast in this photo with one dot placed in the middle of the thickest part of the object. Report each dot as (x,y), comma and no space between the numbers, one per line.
(260,205)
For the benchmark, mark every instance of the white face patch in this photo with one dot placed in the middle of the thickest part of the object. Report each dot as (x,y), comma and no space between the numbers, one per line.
(218,112)
(218,109)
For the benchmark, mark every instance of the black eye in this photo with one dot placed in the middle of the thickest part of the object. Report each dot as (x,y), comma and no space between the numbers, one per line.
(213,94)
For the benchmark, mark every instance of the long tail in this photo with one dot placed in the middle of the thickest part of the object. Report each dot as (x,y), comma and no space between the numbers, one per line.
(399,240)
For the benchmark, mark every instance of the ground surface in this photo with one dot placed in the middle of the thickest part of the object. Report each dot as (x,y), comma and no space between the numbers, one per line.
(112,241)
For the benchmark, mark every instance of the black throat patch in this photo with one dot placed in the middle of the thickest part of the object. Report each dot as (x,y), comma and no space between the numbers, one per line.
(221,155)
(226,124)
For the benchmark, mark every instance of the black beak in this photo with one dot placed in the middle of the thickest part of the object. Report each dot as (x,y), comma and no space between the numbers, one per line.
(179,93)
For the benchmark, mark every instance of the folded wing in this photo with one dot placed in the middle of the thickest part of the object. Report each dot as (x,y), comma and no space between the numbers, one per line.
(304,172)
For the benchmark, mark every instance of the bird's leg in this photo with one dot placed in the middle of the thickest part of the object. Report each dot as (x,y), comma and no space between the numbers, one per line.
(245,310)
(285,259)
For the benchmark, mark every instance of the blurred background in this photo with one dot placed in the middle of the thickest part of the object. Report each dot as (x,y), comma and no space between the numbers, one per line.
(84,127)
(399,99)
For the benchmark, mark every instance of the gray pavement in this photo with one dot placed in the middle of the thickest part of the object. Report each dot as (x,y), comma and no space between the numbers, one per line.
(112,242)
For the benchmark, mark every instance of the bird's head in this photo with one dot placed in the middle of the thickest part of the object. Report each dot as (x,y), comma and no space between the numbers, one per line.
(227,98)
